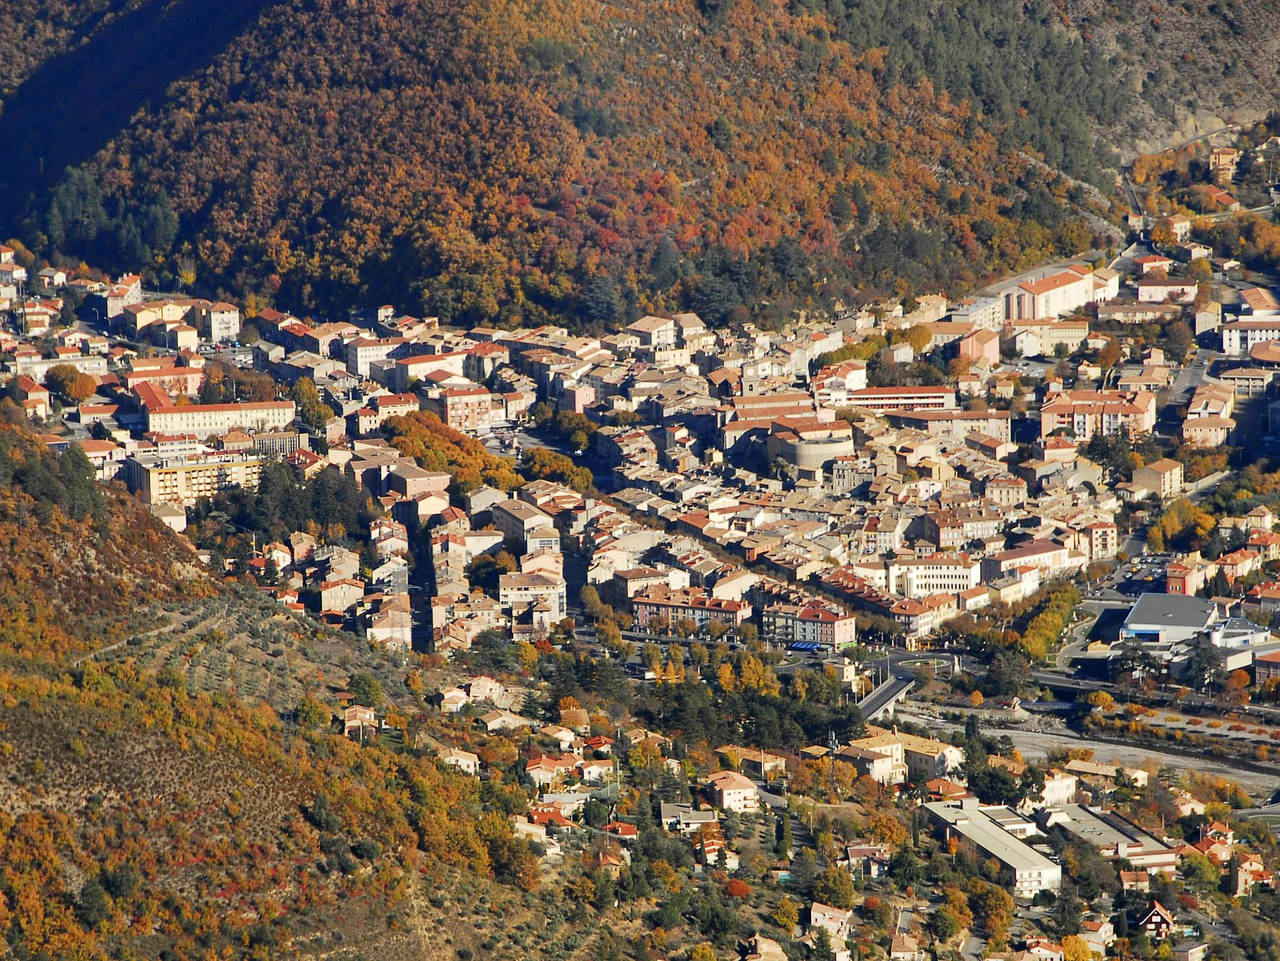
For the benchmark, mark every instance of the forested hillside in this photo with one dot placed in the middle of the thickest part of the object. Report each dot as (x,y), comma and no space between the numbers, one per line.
(1185,67)
(517,161)
(147,814)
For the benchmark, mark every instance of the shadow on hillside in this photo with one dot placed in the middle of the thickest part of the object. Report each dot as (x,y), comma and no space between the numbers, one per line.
(76,103)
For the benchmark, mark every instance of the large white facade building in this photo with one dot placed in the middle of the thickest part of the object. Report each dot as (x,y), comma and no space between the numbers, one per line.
(1024,870)
(206,420)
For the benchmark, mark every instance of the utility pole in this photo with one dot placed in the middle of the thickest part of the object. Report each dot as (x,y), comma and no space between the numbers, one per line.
(831,748)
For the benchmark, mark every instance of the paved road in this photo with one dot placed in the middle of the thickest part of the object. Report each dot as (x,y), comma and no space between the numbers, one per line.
(883,696)
(1132,194)
(1229,128)
(1088,256)
(1266,210)
(1036,745)
(1124,260)
(1191,376)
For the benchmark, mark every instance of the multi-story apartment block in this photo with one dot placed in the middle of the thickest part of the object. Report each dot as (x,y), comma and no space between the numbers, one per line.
(184,480)
(519,591)
(465,409)
(813,622)
(205,420)
(1088,412)
(903,398)
(938,574)
(692,604)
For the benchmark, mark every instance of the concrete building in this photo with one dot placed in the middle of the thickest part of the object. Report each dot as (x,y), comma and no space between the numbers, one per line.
(927,758)
(1240,336)
(655,332)
(218,322)
(904,398)
(808,445)
(1115,837)
(524,526)
(184,480)
(1024,870)
(1084,413)
(1050,296)
(1266,667)
(465,409)
(37,368)
(1168,618)
(692,604)
(731,791)
(1161,477)
(1039,338)
(518,591)
(814,622)
(1048,557)
(1170,290)
(946,573)
(206,420)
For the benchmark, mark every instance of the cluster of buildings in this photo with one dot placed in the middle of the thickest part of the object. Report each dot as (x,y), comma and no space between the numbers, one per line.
(741,471)
(752,476)
(1169,627)
(338,585)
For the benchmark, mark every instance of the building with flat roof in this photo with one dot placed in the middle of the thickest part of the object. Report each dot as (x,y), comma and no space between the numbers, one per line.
(1168,618)
(1116,837)
(1024,870)
(184,480)
(904,398)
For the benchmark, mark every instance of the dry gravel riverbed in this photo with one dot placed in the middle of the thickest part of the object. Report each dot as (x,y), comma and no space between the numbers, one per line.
(1035,745)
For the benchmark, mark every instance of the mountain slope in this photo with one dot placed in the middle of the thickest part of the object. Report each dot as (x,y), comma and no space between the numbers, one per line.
(522,161)
(1187,68)
(144,813)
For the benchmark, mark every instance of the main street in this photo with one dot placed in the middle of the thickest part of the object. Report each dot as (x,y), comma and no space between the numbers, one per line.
(1194,373)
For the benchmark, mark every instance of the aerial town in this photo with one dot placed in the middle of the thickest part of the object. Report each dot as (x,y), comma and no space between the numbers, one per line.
(1009,543)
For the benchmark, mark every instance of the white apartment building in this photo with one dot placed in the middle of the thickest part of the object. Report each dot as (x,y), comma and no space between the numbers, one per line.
(217,321)
(364,351)
(1241,336)
(732,791)
(516,592)
(939,574)
(524,525)
(1049,558)
(904,398)
(205,420)
(1050,296)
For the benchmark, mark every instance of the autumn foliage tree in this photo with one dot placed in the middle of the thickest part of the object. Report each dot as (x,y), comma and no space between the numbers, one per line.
(67,380)
(475,162)
(435,446)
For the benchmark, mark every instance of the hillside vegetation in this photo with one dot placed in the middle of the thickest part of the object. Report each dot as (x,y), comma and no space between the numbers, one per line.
(516,161)
(1186,68)
(152,805)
